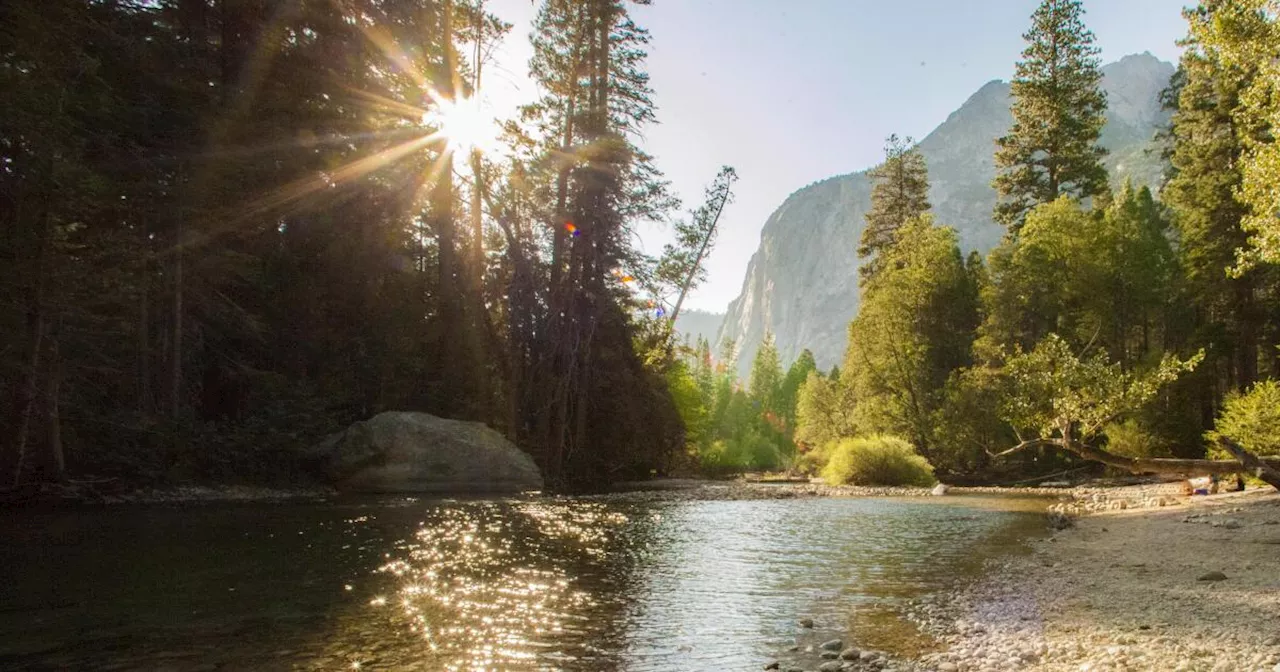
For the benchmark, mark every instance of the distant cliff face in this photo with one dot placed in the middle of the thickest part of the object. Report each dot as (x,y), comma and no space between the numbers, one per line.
(802,282)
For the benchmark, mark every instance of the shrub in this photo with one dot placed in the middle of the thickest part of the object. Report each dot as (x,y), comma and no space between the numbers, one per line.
(877,460)
(1251,419)
(749,451)
(1129,439)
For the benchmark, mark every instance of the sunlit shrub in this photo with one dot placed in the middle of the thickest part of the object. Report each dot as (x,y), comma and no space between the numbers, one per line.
(1251,419)
(1129,439)
(877,460)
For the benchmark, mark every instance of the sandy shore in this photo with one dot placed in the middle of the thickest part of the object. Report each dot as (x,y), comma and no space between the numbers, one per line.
(1194,586)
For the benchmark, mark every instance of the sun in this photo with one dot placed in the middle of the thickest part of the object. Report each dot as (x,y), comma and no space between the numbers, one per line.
(463,124)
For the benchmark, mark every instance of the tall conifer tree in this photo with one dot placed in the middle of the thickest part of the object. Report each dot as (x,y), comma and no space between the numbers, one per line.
(1058,113)
(901,193)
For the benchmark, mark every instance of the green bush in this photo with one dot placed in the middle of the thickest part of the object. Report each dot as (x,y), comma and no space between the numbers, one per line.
(749,451)
(1129,439)
(877,460)
(1251,419)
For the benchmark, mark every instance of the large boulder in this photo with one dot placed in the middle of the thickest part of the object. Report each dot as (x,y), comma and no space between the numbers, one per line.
(400,451)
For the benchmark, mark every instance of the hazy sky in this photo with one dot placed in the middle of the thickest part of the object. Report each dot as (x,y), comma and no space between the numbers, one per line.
(790,92)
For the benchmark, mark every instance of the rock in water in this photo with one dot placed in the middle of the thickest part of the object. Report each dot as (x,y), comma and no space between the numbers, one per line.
(832,645)
(773,666)
(400,451)
(850,654)
(806,622)
(1212,576)
(940,489)
(833,666)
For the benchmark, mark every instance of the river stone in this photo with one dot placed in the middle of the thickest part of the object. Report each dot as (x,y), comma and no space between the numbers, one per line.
(940,489)
(832,645)
(850,654)
(773,666)
(400,451)
(1212,576)
(829,655)
(830,666)
(806,622)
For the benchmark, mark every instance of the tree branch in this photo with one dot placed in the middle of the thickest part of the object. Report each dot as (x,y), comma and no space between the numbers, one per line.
(1257,465)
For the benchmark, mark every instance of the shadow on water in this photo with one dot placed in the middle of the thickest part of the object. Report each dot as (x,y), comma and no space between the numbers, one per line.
(538,584)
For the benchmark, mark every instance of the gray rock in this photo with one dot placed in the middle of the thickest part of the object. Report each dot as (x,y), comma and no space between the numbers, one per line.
(832,666)
(829,655)
(850,654)
(795,668)
(773,666)
(1212,576)
(948,667)
(806,622)
(401,451)
(832,645)
(940,489)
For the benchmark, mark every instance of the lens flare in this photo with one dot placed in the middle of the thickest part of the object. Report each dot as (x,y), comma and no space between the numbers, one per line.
(462,123)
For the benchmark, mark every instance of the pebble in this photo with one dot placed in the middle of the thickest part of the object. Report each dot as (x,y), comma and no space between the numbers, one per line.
(1212,576)
(773,666)
(832,645)
(806,622)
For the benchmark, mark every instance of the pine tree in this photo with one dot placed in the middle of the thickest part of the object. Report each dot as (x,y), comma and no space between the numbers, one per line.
(765,382)
(1058,114)
(901,193)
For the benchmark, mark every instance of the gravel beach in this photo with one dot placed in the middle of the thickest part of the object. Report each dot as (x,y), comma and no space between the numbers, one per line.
(1189,585)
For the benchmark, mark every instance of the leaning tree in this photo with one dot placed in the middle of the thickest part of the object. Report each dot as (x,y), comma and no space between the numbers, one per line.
(1056,398)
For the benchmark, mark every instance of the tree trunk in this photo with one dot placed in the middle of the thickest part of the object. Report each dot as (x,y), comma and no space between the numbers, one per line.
(1155,465)
(30,386)
(53,383)
(1260,468)
(175,339)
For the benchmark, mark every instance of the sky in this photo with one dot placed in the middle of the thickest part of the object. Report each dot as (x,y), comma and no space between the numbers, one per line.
(790,92)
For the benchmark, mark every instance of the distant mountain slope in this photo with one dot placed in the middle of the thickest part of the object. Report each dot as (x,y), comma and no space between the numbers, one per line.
(695,324)
(802,282)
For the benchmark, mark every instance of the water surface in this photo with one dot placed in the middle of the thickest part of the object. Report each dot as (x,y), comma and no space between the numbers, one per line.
(543,584)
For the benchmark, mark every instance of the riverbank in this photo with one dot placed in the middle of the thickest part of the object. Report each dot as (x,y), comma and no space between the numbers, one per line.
(1196,587)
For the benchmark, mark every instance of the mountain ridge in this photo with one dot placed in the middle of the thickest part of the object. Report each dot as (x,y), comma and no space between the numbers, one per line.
(802,281)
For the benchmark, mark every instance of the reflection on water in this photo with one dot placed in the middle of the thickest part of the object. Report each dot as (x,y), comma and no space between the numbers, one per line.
(547,584)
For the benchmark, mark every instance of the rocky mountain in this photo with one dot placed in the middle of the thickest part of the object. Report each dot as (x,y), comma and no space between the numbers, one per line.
(802,282)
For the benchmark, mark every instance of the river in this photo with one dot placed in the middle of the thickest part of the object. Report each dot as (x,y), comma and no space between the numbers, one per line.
(518,584)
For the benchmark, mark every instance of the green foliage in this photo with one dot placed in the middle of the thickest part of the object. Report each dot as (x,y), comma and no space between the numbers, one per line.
(765,384)
(789,394)
(689,397)
(1243,35)
(899,195)
(1058,113)
(967,425)
(1251,419)
(824,411)
(1054,392)
(1111,281)
(1129,439)
(915,327)
(877,460)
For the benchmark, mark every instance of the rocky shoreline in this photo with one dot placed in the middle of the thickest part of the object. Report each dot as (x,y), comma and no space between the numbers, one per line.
(1187,589)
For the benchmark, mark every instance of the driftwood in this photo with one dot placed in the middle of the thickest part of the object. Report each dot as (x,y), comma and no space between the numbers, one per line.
(1267,468)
